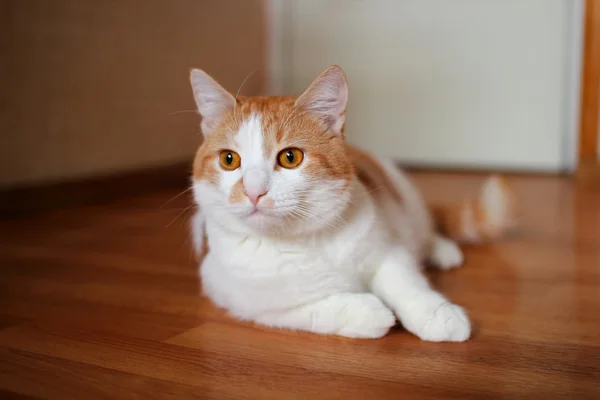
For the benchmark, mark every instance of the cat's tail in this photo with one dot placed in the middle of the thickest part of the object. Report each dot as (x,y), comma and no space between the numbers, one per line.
(488,216)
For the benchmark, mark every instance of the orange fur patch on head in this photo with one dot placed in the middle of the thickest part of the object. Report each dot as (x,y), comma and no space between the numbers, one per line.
(237,194)
(204,166)
(326,154)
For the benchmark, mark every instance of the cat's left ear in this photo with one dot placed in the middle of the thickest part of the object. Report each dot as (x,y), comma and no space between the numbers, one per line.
(212,100)
(326,99)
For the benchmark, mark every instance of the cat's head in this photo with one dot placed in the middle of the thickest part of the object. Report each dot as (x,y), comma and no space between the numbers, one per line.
(273,165)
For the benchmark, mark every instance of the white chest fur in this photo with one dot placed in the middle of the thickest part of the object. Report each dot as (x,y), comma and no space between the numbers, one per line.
(251,275)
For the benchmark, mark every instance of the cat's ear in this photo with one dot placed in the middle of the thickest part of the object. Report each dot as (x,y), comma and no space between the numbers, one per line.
(326,99)
(212,100)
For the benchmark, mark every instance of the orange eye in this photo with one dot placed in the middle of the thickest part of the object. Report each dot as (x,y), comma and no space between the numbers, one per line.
(290,157)
(230,160)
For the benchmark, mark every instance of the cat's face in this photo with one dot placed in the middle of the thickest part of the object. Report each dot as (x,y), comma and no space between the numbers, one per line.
(273,165)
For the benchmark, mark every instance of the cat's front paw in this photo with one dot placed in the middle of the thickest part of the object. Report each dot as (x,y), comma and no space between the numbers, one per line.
(446,322)
(365,316)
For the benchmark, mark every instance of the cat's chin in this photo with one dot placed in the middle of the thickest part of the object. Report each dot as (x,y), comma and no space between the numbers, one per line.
(261,221)
(271,224)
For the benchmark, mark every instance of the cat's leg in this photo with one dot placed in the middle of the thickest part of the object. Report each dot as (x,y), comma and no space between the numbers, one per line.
(422,311)
(444,253)
(355,315)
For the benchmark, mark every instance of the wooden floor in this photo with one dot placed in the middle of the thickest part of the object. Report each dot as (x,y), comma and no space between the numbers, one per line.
(103,302)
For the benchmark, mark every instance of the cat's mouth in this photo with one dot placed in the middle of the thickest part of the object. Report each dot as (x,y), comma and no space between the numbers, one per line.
(260,219)
(257,212)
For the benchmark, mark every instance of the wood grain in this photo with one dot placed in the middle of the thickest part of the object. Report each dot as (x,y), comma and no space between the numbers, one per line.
(102,301)
(590,86)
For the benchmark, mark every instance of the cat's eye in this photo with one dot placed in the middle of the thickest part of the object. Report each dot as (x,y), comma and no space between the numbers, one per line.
(229,160)
(290,158)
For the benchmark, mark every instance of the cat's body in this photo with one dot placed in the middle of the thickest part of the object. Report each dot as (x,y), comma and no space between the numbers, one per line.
(333,244)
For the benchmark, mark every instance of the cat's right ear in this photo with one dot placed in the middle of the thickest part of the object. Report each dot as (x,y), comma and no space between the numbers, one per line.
(326,99)
(212,100)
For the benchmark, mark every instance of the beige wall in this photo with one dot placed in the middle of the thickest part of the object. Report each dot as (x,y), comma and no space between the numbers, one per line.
(90,87)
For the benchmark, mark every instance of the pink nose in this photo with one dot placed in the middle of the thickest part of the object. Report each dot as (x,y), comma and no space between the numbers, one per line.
(255,196)
(256,184)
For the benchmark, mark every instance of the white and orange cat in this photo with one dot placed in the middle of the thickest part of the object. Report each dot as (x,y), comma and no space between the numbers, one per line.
(307,233)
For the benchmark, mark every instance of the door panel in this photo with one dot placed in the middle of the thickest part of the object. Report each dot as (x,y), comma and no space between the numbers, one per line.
(470,83)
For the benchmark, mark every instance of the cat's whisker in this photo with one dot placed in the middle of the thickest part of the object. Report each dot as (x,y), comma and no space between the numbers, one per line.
(295,116)
(290,119)
(244,81)
(177,196)
(238,93)
(183,111)
(371,191)
(187,214)
(180,214)
(366,195)
(307,213)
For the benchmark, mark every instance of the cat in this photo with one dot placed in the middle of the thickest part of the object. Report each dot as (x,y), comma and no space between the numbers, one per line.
(305,232)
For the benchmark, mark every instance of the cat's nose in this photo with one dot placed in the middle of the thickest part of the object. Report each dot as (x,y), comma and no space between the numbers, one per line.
(255,184)
(255,197)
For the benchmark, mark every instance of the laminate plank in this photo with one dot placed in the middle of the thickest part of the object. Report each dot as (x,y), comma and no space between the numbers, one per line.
(27,376)
(403,358)
(8,321)
(210,371)
(127,297)
(93,316)
(9,395)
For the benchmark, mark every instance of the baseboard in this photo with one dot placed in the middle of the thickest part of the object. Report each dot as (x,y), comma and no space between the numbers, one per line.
(20,201)
(478,171)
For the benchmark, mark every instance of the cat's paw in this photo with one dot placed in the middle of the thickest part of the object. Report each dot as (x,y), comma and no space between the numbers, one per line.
(445,254)
(366,317)
(446,322)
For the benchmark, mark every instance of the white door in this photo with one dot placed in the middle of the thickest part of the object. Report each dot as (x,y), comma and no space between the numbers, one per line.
(463,83)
